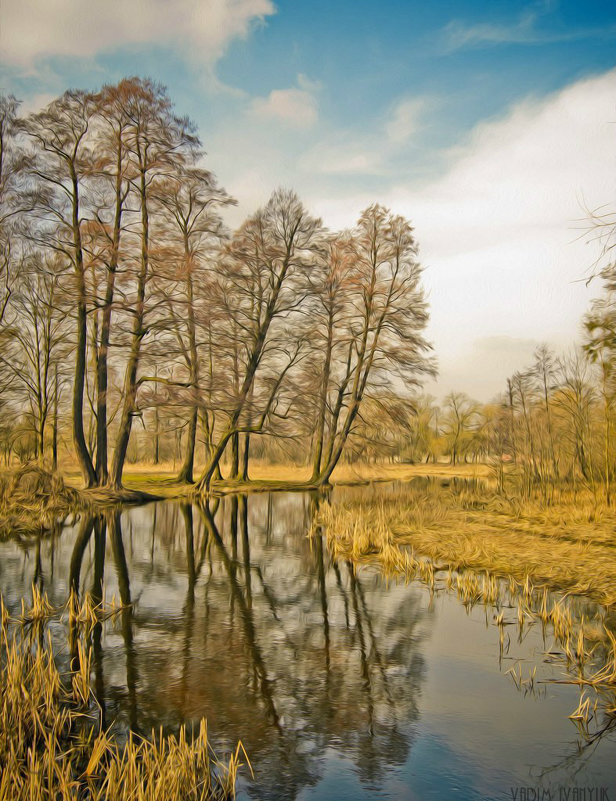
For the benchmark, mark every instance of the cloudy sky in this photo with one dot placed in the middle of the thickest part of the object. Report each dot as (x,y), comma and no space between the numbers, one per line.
(491,125)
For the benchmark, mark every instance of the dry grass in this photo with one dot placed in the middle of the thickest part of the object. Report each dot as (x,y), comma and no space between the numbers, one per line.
(160,479)
(33,500)
(509,560)
(567,546)
(51,745)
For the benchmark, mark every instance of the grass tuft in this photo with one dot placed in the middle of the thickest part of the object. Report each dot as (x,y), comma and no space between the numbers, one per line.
(51,743)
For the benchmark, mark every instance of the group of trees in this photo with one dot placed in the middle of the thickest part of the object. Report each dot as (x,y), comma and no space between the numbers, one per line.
(125,299)
(553,425)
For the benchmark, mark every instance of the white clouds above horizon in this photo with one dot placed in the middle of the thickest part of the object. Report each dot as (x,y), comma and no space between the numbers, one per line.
(406,118)
(32,30)
(501,231)
(369,152)
(495,215)
(296,107)
(524,30)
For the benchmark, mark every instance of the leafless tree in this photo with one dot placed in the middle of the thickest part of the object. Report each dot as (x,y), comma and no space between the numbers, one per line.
(388,315)
(158,143)
(191,200)
(265,268)
(34,344)
(59,160)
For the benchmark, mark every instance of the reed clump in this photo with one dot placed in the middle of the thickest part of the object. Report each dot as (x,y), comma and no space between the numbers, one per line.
(34,500)
(52,745)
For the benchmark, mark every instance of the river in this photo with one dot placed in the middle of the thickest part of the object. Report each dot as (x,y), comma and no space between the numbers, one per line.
(340,683)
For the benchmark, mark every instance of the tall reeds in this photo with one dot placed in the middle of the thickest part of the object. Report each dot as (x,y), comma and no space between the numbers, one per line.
(568,546)
(52,745)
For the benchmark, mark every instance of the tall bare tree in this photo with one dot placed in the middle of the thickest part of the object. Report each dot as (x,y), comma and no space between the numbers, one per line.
(191,200)
(159,143)
(113,170)
(265,267)
(60,158)
(34,344)
(389,313)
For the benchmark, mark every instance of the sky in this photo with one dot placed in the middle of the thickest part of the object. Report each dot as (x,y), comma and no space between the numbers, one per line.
(490,125)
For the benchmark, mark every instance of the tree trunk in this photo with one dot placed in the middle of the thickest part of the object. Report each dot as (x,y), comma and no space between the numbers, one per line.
(54,439)
(79,440)
(156,436)
(102,470)
(130,382)
(246,457)
(322,410)
(186,472)
(235,456)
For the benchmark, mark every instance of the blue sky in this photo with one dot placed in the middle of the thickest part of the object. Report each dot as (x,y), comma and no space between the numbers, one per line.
(489,124)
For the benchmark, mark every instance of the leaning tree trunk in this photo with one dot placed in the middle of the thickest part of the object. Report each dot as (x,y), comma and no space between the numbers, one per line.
(102,470)
(186,471)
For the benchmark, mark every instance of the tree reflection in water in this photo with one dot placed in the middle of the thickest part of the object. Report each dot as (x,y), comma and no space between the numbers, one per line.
(244,620)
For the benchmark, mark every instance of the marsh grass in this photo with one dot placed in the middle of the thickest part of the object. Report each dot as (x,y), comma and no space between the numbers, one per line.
(51,743)
(570,545)
(33,501)
(528,564)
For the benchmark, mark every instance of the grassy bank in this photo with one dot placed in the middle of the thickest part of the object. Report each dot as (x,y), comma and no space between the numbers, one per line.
(570,545)
(51,743)
(264,476)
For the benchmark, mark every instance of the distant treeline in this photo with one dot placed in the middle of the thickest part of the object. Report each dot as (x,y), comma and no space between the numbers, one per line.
(126,306)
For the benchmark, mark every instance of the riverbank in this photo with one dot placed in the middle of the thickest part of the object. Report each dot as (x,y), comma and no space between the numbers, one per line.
(162,481)
(568,546)
(33,500)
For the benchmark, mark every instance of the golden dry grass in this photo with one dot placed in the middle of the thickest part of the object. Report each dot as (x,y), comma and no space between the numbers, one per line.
(569,546)
(509,560)
(160,479)
(34,500)
(51,746)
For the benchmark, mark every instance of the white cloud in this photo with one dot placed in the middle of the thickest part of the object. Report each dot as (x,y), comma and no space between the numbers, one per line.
(369,153)
(457,35)
(33,30)
(498,231)
(35,103)
(342,154)
(296,107)
(498,357)
(406,119)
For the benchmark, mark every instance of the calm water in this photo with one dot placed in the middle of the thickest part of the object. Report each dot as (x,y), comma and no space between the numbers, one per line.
(340,684)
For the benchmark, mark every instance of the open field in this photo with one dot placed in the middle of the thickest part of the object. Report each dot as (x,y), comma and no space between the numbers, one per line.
(161,479)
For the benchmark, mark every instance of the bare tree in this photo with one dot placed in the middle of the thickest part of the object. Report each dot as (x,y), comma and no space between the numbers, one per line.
(385,327)
(264,266)
(460,417)
(113,170)
(191,200)
(59,161)
(34,344)
(10,165)
(159,143)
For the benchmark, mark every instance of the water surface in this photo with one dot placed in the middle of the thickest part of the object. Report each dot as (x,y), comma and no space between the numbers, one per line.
(340,683)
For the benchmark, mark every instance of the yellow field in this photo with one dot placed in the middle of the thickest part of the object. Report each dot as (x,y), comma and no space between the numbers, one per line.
(160,478)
